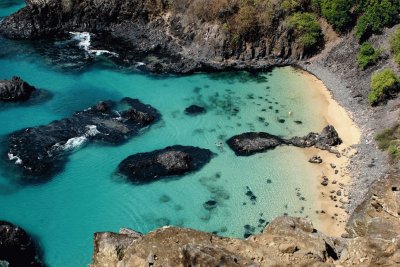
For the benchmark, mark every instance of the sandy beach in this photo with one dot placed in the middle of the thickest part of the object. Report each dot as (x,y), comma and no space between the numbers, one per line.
(331,211)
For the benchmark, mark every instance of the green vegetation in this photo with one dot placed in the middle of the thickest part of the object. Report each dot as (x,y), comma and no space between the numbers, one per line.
(395,46)
(384,84)
(337,13)
(389,140)
(306,28)
(367,56)
(375,15)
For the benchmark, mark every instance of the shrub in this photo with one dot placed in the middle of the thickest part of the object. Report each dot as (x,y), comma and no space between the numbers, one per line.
(389,140)
(367,56)
(395,46)
(337,13)
(377,14)
(384,85)
(306,28)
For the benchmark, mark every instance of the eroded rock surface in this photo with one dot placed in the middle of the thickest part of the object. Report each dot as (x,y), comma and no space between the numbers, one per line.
(41,151)
(15,90)
(247,144)
(17,248)
(170,161)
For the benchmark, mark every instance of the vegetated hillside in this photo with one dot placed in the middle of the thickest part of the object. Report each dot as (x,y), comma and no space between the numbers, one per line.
(184,36)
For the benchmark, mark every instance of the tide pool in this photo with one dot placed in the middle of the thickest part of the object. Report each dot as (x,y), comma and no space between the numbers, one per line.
(87,197)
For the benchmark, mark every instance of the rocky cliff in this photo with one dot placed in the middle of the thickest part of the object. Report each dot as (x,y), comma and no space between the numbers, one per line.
(167,37)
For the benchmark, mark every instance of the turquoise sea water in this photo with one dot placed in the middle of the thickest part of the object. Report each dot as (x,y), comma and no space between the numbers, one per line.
(87,197)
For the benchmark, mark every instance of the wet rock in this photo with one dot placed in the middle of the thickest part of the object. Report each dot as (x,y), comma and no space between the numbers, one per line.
(39,152)
(17,248)
(328,138)
(315,159)
(210,204)
(247,144)
(195,110)
(306,141)
(170,161)
(15,90)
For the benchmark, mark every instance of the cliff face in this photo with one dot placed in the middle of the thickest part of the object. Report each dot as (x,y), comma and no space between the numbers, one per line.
(373,241)
(151,31)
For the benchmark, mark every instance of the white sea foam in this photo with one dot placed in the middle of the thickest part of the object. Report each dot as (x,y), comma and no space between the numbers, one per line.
(75,142)
(85,43)
(91,130)
(16,158)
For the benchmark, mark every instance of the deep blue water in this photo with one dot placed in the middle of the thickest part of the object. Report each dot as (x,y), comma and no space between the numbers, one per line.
(87,197)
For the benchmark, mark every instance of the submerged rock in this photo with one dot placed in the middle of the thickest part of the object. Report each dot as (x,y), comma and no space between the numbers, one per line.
(17,248)
(41,151)
(170,161)
(195,110)
(15,90)
(250,143)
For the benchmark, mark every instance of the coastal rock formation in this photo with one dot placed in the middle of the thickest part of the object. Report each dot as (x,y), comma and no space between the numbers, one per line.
(285,241)
(194,110)
(41,151)
(166,36)
(247,144)
(16,247)
(170,161)
(15,90)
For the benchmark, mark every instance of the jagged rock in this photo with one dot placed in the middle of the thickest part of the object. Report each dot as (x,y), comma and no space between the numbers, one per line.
(315,159)
(170,161)
(39,152)
(195,110)
(328,138)
(15,90)
(17,248)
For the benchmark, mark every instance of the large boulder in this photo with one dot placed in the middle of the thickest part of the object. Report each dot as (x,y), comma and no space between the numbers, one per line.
(39,152)
(247,144)
(328,138)
(17,248)
(15,90)
(170,161)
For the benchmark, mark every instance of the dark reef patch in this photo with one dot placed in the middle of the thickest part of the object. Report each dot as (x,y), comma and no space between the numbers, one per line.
(195,110)
(39,152)
(170,161)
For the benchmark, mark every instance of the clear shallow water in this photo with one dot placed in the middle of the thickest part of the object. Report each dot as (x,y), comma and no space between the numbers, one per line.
(86,197)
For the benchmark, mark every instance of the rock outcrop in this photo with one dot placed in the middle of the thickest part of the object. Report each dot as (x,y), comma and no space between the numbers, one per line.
(165,38)
(41,151)
(170,161)
(17,248)
(247,144)
(15,90)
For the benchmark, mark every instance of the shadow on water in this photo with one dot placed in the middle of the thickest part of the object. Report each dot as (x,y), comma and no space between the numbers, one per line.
(38,97)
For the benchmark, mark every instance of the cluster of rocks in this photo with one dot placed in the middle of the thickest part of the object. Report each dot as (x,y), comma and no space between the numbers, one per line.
(247,144)
(15,90)
(17,248)
(171,161)
(39,152)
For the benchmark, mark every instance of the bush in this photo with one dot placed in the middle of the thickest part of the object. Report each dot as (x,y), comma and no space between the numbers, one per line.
(306,28)
(389,140)
(395,46)
(377,14)
(337,13)
(367,56)
(384,85)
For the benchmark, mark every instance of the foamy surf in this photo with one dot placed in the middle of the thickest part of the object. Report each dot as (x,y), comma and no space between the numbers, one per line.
(16,158)
(84,39)
(78,141)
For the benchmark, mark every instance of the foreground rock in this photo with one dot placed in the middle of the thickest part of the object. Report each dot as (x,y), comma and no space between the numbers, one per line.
(15,90)
(164,37)
(286,241)
(247,144)
(41,151)
(17,248)
(170,161)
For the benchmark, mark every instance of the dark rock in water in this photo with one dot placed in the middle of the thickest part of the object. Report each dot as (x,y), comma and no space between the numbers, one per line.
(247,144)
(210,204)
(41,151)
(17,248)
(328,138)
(194,110)
(15,90)
(170,161)
(315,159)
(298,122)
